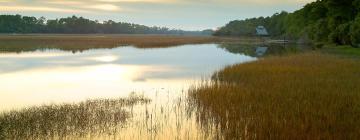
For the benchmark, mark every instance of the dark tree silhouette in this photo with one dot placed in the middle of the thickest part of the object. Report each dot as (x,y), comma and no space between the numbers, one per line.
(81,25)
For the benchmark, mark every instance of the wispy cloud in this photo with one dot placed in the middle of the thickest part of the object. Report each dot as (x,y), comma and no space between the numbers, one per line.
(269,2)
(120,5)
(134,1)
(39,8)
(64,2)
(244,2)
(59,6)
(104,7)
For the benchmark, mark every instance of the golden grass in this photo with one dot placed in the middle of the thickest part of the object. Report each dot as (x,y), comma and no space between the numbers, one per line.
(20,43)
(66,120)
(302,96)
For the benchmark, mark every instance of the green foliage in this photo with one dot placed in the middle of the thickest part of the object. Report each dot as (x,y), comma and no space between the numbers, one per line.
(80,25)
(356,4)
(319,31)
(241,27)
(322,21)
(355,33)
(343,10)
(276,24)
(341,34)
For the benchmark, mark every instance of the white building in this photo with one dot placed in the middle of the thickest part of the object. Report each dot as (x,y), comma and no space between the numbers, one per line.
(261,31)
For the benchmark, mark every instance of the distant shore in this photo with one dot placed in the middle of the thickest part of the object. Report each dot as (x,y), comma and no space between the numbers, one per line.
(89,41)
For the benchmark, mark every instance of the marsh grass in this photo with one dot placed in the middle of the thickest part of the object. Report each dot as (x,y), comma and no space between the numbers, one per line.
(302,96)
(85,119)
(21,43)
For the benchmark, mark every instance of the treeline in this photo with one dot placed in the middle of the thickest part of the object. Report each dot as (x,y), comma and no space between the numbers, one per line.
(334,21)
(80,25)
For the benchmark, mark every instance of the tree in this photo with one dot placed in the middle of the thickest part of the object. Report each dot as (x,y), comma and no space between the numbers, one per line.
(75,25)
(322,21)
(319,31)
(343,10)
(355,32)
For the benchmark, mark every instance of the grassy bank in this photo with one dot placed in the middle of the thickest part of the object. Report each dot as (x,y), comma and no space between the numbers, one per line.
(342,51)
(302,96)
(18,43)
(93,117)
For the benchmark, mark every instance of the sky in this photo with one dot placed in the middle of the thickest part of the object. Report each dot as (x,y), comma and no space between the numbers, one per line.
(177,14)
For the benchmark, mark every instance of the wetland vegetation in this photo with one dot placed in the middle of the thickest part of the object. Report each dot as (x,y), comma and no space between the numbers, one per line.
(21,43)
(302,96)
(290,92)
(85,119)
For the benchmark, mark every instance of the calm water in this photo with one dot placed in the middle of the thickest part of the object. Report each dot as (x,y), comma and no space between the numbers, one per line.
(34,78)
(53,76)
(42,77)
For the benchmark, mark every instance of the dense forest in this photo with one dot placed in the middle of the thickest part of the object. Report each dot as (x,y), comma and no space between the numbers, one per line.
(330,21)
(80,25)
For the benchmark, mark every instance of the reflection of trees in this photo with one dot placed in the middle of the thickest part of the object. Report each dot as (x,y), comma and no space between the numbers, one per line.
(239,49)
(250,50)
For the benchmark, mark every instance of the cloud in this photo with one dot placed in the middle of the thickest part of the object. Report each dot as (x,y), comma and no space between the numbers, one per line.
(64,2)
(245,2)
(139,1)
(104,7)
(39,8)
(242,2)
(120,5)
(64,6)
(270,2)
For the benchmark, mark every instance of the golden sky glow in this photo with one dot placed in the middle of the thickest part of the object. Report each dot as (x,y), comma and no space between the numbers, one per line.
(37,8)
(105,7)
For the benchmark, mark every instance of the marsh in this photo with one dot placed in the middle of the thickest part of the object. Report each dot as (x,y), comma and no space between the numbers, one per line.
(45,77)
(85,88)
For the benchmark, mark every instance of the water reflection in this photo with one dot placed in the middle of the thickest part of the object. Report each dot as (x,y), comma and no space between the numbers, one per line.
(260,51)
(54,76)
(106,58)
(263,50)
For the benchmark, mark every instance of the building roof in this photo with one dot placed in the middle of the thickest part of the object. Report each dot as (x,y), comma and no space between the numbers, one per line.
(261,31)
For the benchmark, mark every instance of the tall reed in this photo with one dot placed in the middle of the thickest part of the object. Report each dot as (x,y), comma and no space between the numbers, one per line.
(89,118)
(303,96)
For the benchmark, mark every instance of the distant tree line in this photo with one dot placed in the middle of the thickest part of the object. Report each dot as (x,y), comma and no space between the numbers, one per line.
(80,25)
(334,21)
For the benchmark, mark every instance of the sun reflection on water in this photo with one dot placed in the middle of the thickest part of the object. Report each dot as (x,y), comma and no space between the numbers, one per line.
(109,58)
(70,84)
